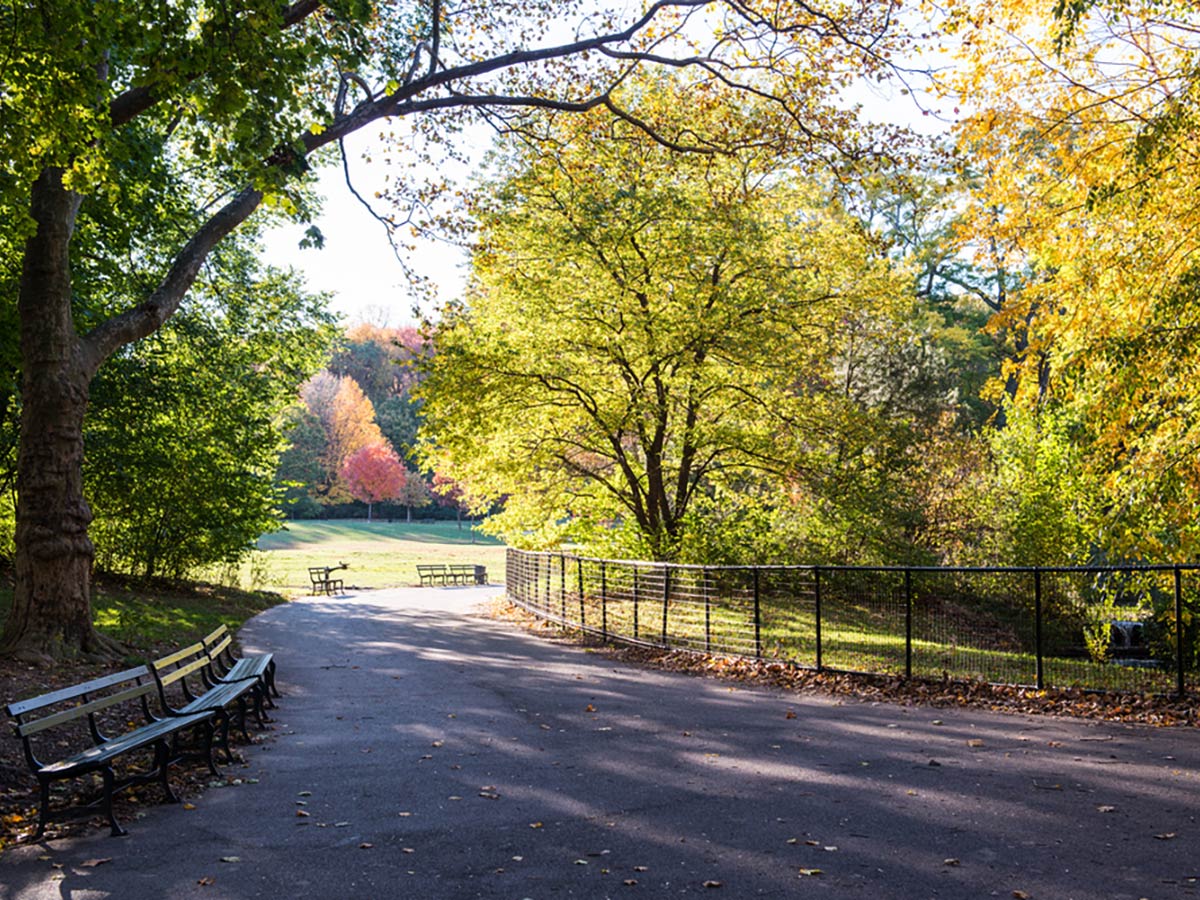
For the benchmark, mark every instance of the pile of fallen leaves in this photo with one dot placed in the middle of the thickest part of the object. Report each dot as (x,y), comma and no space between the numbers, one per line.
(1150,709)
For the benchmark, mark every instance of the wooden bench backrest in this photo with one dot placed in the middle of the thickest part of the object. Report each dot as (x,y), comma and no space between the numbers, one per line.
(180,664)
(131,684)
(217,641)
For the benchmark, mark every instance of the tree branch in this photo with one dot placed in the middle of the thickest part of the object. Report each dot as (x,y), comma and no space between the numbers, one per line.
(103,340)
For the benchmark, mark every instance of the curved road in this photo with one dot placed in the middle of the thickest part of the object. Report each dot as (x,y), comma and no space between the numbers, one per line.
(437,754)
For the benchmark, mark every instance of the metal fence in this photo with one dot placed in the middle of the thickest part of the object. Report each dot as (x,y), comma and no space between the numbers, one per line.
(1113,628)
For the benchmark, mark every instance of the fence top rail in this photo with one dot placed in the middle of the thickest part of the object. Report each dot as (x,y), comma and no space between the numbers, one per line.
(997,570)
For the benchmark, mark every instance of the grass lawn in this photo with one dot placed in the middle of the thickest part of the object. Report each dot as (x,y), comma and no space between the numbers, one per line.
(151,619)
(380,554)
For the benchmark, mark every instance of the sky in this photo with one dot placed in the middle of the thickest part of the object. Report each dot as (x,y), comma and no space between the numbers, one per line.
(356,265)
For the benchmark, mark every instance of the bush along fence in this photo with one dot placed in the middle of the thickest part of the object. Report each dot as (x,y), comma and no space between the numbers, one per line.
(1112,628)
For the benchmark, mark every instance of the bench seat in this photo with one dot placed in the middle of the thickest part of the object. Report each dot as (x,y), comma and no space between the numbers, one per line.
(187,685)
(226,667)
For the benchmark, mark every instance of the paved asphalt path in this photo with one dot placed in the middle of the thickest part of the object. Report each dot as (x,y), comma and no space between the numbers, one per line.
(441,755)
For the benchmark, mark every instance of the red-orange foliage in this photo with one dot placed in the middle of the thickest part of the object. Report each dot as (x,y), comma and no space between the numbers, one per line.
(373,473)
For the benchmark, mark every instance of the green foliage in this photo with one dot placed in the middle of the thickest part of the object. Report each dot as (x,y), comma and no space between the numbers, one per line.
(1039,504)
(183,436)
(645,329)
(399,418)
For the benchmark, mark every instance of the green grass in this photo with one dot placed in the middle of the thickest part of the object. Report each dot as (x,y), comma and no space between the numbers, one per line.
(149,618)
(146,618)
(853,638)
(380,554)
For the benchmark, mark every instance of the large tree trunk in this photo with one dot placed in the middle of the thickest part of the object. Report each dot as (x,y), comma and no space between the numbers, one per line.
(51,615)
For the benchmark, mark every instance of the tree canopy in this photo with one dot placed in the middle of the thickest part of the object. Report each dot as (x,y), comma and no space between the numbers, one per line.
(1084,135)
(642,327)
(208,113)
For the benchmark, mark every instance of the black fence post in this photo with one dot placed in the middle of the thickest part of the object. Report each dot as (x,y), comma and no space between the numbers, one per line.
(666,601)
(1179,681)
(562,585)
(707,613)
(635,602)
(549,578)
(1037,628)
(582,611)
(603,603)
(908,622)
(757,617)
(817,601)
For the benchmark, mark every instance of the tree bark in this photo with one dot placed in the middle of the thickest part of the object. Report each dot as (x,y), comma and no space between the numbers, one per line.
(51,613)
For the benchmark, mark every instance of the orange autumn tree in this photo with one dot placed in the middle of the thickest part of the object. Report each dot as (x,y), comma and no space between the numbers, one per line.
(373,474)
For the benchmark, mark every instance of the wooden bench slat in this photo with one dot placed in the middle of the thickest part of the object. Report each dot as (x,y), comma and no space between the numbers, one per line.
(123,743)
(184,653)
(83,709)
(20,707)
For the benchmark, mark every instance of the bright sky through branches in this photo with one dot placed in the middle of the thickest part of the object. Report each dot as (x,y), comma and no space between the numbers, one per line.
(358,267)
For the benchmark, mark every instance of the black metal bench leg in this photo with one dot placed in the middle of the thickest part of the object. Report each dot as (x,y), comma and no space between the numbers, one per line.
(262,699)
(224,741)
(162,759)
(109,778)
(241,703)
(271,679)
(44,807)
(209,733)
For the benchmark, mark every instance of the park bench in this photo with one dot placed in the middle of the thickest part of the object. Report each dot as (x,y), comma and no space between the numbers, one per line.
(453,574)
(432,575)
(226,667)
(54,723)
(187,685)
(468,574)
(322,583)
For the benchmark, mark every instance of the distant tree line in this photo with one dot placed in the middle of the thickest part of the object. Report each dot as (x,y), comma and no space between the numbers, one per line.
(352,431)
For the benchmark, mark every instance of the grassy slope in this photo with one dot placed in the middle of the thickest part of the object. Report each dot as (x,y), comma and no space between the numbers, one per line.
(380,554)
